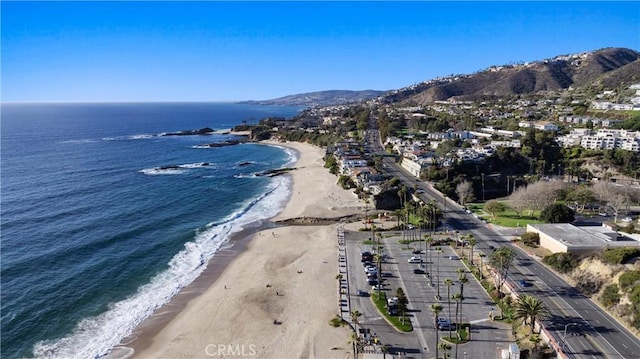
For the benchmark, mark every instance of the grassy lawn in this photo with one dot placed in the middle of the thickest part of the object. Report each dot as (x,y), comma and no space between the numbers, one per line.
(508,218)
(462,331)
(381,304)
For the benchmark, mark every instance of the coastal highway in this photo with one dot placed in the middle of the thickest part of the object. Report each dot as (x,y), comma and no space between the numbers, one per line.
(578,327)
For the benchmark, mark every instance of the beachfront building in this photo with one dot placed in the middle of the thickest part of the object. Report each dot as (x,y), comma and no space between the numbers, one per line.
(579,240)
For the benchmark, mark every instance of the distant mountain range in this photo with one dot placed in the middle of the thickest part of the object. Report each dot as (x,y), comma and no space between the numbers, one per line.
(608,67)
(321,98)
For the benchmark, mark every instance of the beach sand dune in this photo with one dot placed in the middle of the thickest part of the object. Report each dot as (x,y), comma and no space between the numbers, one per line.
(275,300)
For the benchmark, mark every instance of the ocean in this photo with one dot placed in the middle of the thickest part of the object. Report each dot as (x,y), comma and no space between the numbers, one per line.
(103,220)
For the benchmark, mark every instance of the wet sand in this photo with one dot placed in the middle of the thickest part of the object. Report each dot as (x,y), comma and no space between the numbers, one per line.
(273,293)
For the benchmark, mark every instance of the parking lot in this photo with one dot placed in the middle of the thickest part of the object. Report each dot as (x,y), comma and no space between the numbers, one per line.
(422,292)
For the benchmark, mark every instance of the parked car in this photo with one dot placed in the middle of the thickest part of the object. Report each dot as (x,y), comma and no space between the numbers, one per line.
(370,270)
(445,324)
(627,220)
(377,287)
(419,271)
(373,281)
(415,260)
(454,257)
(418,251)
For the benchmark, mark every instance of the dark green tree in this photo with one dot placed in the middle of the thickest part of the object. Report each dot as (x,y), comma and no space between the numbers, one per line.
(557,213)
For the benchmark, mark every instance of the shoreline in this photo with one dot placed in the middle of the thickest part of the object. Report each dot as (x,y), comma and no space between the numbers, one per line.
(168,333)
(141,337)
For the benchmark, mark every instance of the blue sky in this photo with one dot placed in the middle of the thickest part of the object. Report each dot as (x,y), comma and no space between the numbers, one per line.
(227,51)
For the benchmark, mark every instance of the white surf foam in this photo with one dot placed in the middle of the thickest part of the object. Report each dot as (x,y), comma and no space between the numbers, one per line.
(177,169)
(141,136)
(160,171)
(96,336)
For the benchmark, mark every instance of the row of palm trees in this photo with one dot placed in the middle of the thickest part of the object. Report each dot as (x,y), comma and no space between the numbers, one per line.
(427,215)
(528,308)
(457,298)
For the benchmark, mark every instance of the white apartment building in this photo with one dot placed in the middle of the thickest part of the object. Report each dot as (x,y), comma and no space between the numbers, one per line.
(541,125)
(612,139)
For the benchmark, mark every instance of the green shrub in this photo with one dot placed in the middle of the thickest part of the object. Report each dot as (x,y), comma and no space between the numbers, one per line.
(628,279)
(620,255)
(336,322)
(562,262)
(634,298)
(531,239)
(610,295)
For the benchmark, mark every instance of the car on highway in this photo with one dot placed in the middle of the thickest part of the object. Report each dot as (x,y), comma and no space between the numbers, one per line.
(414,260)
(362,293)
(523,283)
(453,258)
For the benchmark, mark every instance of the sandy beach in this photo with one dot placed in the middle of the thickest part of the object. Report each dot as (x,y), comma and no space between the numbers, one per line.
(275,299)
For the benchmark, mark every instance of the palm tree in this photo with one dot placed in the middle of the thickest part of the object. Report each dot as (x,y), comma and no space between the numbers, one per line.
(436,309)
(463,280)
(366,212)
(355,339)
(532,308)
(482,255)
(438,251)
(449,283)
(402,193)
(472,243)
(445,349)
(398,214)
(354,317)
(428,240)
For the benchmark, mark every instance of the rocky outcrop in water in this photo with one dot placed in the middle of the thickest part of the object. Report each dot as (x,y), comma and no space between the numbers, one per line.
(224,143)
(202,131)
